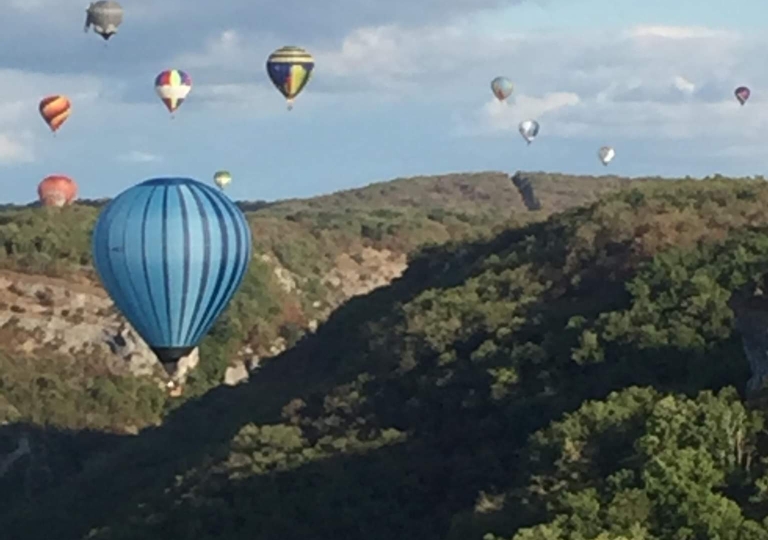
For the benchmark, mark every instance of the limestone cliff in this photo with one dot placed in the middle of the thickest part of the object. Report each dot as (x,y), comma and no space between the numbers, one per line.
(41,316)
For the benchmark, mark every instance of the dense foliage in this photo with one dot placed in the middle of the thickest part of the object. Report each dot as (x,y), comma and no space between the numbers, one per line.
(304,238)
(577,378)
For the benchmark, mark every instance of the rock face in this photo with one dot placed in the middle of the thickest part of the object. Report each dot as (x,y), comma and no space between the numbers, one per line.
(41,315)
(48,316)
(365,271)
(752,322)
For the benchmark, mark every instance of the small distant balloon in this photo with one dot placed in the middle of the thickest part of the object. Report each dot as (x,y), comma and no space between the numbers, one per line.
(55,110)
(222,179)
(290,68)
(502,88)
(56,190)
(105,16)
(173,87)
(742,93)
(606,154)
(529,129)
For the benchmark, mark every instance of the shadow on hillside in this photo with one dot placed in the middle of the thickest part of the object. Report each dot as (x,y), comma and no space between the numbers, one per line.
(453,452)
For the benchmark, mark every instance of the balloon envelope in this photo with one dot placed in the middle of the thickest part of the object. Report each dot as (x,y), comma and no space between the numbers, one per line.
(290,68)
(171,252)
(173,87)
(742,93)
(105,16)
(55,110)
(502,88)
(56,190)
(529,129)
(222,179)
(606,154)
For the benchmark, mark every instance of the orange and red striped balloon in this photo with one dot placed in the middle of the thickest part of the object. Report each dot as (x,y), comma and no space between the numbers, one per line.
(55,110)
(57,190)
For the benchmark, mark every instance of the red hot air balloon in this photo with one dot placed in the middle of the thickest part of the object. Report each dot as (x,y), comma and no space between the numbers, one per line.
(56,190)
(742,94)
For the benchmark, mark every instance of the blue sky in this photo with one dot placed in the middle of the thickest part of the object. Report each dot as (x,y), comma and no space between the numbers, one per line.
(400,88)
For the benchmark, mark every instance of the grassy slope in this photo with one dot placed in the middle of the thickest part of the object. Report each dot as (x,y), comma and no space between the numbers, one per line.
(411,401)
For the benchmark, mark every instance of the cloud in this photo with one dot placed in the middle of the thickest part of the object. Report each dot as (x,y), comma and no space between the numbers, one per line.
(649,82)
(379,62)
(21,127)
(137,156)
(47,34)
(646,83)
(15,149)
(676,32)
(684,85)
(504,116)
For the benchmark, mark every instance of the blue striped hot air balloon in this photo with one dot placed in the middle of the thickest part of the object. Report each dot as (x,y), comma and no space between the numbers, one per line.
(171,252)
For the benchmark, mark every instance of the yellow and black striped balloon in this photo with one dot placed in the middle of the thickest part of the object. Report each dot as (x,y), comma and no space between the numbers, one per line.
(290,68)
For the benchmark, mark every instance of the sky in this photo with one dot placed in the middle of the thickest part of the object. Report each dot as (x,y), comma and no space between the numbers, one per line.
(400,88)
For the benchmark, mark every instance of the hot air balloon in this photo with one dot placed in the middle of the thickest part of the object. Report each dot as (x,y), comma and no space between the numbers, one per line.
(171,252)
(56,190)
(222,179)
(173,86)
(606,154)
(502,88)
(290,68)
(55,110)
(105,16)
(742,94)
(529,129)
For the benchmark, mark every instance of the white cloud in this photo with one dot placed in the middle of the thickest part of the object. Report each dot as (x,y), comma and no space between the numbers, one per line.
(427,60)
(383,61)
(646,83)
(137,156)
(15,148)
(228,49)
(20,121)
(684,85)
(505,116)
(676,32)
(658,83)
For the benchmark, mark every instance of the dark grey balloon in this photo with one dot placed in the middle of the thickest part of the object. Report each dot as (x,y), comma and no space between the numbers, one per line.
(105,16)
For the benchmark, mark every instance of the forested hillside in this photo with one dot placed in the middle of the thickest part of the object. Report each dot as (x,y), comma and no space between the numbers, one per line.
(311,255)
(581,376)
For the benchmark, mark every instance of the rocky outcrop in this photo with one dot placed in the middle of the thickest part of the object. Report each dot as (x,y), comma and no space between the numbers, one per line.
(47,316)
(365,271)
(751,313)
(42,316)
